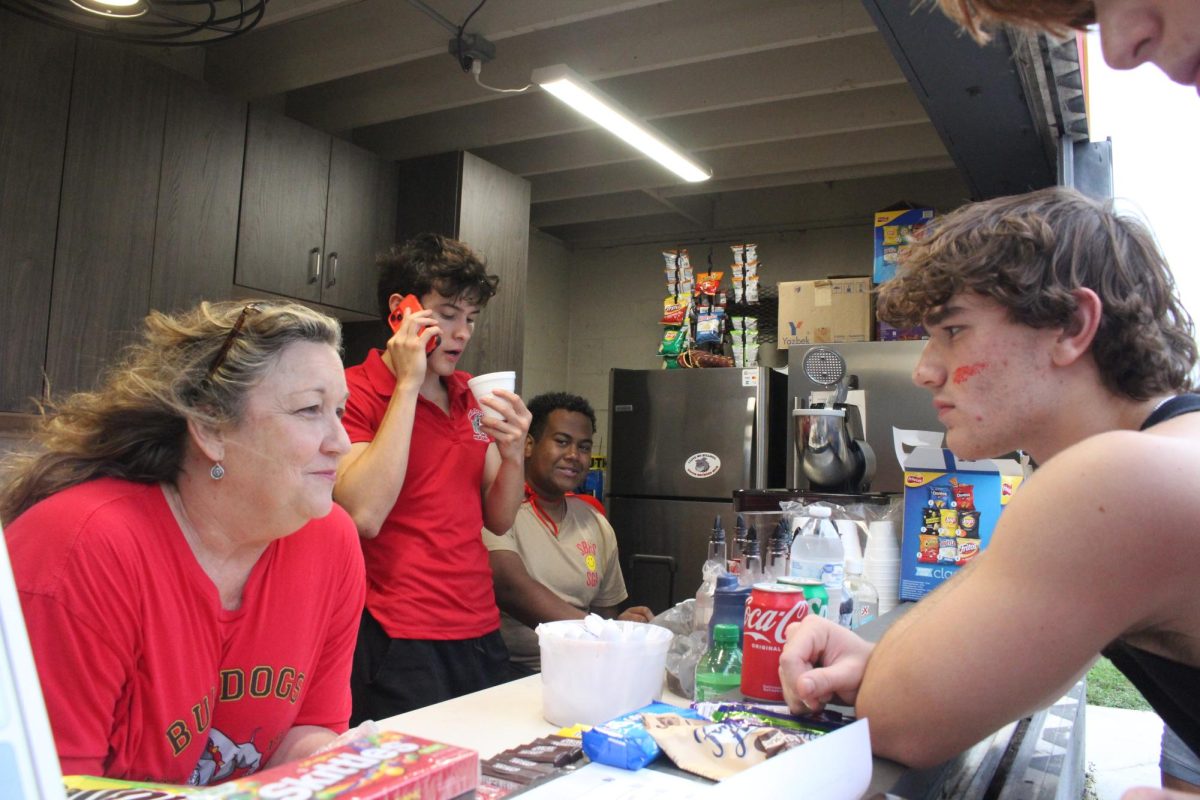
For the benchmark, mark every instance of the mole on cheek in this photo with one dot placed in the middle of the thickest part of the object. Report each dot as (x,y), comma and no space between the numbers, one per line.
(968,371)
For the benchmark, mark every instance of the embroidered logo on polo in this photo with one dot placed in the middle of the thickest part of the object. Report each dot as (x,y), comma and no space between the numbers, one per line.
(476,416)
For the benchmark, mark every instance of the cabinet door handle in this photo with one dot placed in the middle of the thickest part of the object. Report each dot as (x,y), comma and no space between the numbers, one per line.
(314,265)
(331,274)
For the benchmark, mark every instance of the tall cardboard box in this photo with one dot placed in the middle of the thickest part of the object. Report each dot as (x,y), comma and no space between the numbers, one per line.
(825,311)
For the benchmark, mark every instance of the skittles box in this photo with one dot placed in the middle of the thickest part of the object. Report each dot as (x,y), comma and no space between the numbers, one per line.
(950,510)
(382,766)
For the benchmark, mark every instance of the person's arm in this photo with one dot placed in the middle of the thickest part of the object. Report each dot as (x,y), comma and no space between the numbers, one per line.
(1079,558)
(503,484)
(372,474)
(632,614)
(522,597)
(300,741)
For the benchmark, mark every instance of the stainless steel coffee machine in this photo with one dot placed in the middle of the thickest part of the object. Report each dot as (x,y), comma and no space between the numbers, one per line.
(831,449)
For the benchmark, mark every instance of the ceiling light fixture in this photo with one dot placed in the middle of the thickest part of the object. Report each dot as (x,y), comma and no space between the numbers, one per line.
(157,22)
(123,9)
(568,86)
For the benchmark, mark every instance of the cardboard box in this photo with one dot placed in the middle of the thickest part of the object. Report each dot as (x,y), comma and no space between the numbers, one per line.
(950,511)
(826,311)
(385,766)
(895,230)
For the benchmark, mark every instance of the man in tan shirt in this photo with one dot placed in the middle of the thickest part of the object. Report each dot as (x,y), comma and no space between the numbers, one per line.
(559,560)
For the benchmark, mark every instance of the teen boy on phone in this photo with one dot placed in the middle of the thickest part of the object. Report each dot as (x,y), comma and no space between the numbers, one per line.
(425,473)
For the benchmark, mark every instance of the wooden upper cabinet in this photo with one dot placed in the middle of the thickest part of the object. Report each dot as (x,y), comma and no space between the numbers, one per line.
(282,222)
(195,239)
(315,211)
(360,222)
(106,220)
(35,86)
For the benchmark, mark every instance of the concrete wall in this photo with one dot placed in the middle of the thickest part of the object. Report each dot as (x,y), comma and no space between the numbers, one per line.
(591,310)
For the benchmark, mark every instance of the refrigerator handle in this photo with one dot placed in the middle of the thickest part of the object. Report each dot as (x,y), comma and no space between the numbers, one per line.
(755,440)
(666,561)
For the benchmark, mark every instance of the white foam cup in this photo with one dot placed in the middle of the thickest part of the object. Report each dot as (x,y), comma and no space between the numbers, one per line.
(484,385)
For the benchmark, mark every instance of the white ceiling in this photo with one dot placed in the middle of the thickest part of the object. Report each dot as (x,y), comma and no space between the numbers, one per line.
(779,97)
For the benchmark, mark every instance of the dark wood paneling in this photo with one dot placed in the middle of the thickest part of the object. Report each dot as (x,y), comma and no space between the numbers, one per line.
(35,86)
(357,203)
(428,196)
(494,221)
(284,189)
(106,224)
(195,240)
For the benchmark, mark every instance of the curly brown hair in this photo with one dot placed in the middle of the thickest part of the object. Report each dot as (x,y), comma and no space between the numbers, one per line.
(1029,253)
(196,365)
(431,261)
(1057,17)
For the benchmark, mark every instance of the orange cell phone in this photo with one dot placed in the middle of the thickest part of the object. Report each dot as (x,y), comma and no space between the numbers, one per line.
(407,305)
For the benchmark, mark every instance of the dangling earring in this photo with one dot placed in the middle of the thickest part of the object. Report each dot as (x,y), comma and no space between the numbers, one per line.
(217,472)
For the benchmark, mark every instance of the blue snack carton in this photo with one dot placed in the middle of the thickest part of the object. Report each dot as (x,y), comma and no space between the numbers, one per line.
(950,511)
(895,230)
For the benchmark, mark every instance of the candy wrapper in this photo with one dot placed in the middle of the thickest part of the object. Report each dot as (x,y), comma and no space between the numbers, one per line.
(623,742)
(716,750)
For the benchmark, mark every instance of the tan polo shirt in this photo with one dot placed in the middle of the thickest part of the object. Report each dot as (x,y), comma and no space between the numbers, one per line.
(579,565)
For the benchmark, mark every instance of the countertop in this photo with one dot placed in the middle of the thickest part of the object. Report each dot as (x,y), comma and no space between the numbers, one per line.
(1015,757)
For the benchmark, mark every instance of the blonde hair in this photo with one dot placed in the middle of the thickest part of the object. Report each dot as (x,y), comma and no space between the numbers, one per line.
(196,365)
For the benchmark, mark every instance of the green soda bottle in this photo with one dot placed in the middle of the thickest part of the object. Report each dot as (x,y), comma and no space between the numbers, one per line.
(719,670)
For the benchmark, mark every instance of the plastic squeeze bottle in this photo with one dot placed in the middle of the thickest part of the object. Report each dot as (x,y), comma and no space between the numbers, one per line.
(864,597)
(714,565)
(719,670)
(817,554)
(752,566)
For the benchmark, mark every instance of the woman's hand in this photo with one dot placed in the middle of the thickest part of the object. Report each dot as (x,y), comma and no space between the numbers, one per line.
(821,662)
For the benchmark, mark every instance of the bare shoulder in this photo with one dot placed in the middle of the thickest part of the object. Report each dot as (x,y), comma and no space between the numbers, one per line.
(1110,516)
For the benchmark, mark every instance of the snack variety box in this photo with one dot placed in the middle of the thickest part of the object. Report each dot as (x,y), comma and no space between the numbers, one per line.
(895,230)
(825,311)
(950,510)
(386,766)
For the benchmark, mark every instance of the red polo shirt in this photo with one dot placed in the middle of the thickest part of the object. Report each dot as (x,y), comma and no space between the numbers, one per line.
(427,570)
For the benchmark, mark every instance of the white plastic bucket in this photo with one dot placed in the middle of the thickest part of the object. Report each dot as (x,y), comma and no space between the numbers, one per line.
(589,680)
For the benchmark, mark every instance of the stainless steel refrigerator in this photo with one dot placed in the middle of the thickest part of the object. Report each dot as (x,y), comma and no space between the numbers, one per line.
(681,441)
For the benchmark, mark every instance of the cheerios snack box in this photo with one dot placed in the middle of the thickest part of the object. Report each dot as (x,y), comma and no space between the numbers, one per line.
(950,510)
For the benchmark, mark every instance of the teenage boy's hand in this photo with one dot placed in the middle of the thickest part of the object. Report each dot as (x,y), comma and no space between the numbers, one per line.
(821,662)
(509,433)
(406,348)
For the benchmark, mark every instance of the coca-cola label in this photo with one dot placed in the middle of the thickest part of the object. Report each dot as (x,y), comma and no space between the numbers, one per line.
(766,626)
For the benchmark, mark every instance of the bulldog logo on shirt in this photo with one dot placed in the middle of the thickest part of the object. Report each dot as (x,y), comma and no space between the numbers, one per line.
(475,415)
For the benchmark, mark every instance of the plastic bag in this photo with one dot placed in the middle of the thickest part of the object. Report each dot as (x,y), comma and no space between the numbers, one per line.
(686,647)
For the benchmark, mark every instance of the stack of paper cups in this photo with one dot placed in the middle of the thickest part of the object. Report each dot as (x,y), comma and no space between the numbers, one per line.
(881,563)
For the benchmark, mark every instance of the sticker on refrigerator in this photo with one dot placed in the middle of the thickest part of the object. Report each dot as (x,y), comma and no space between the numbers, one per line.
(702,465)
(750,376)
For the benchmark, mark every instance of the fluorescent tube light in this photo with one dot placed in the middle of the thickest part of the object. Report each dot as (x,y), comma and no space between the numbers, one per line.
(567,85)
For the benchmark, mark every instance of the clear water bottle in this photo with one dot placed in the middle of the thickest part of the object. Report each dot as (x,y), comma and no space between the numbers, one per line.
(815,547)
(862,594)
(719,670)
(714,566)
